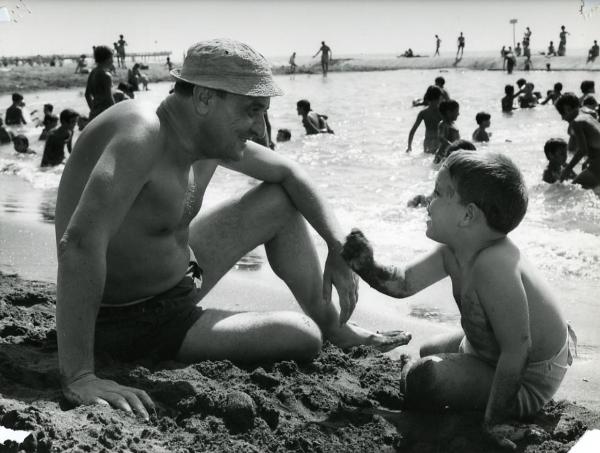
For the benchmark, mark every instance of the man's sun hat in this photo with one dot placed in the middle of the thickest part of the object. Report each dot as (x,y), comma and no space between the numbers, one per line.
(228,65)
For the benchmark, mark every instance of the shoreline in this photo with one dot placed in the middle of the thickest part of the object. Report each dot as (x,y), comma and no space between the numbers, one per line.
(334,402)
(35,78)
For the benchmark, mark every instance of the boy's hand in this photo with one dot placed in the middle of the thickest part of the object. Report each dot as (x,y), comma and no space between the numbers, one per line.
(357,251)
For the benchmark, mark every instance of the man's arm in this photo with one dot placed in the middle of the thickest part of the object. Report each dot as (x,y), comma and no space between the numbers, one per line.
(318,52)
(260,163)
(581,147)
(393,281)
(111,190)
(106,87)
(501,292)
(88,91)
(411,134)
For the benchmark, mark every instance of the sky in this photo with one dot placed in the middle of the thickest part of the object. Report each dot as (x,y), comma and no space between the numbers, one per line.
(279,27)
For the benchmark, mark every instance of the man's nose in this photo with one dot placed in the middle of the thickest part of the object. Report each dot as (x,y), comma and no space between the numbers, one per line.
(259,128)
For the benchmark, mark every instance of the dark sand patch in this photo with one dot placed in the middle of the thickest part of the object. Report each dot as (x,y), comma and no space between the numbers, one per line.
(339,402)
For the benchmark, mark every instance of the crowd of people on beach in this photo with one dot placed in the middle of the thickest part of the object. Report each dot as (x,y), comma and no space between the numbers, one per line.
(135,257)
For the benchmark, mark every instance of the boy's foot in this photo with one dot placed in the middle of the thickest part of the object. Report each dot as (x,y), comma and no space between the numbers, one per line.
(350,335)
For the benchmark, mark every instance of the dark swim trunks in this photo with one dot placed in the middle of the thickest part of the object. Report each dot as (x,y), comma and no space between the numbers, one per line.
(153,329)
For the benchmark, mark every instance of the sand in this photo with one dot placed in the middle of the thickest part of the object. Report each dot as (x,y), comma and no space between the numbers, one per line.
(338,402)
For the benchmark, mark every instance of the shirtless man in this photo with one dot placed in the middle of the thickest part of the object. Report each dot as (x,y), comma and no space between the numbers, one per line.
(98,91)
(134,256)
(326,55)
(461,46)
(438,41)
(586,131)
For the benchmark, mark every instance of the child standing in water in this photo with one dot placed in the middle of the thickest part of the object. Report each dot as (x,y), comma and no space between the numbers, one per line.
(555,150)
(512,352)
(447,131)
(483,121)
(508,100)
(431,116)
(54,151)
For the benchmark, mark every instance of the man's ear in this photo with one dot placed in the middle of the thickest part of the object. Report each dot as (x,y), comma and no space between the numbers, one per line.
(471,215)
(202,99)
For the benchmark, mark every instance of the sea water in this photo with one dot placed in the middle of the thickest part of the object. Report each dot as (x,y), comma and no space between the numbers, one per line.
(366,175)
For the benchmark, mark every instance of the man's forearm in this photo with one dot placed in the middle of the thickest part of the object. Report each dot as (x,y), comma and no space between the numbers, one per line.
(79,292)
(506,385)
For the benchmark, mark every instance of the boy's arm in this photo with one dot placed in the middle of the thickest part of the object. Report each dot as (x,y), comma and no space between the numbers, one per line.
(391,280)
(411,134)
(500,290)
(580,145)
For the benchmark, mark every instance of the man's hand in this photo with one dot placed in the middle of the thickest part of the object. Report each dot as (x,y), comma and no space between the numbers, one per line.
(345,281)
(505,435)
(89,389)
(357,251)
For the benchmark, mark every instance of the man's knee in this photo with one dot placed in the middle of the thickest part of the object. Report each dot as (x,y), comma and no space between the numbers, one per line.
(302,336)
(274,199)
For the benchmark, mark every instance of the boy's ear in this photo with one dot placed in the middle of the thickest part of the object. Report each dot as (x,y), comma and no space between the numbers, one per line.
(471,215)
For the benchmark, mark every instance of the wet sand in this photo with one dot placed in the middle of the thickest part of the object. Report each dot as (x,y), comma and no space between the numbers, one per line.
(338,402)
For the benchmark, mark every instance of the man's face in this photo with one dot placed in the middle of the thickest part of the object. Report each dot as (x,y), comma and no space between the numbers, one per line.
(444,209)
(234,119)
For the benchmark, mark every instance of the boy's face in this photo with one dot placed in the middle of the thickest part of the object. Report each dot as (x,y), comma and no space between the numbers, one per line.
(453,114)
(486,123)
(445,210)
(558,157)
(569,113)
(20,146)
(72,123)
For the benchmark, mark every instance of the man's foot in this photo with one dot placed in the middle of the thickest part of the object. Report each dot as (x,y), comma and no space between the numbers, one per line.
(350,335)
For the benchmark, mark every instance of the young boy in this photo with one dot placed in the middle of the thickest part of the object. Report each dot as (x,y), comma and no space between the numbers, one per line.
(283,135)
(585,130)
(483,121)
(512,352)
(555,150)
(507,101)
(14,114)
(21,144)
(588,90)
(431,116)
(528,99)
(314,123)
(554,94)
(54,151)
(447,131)
(50,122)
(5,136)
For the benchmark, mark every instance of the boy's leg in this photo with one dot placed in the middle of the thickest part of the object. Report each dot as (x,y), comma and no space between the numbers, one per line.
(460,381)
(448,342)
(265,215)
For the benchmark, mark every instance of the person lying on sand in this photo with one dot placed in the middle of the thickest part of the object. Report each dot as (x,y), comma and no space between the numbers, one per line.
(431,116)
(512,352)
(313,122)
(135,256)
(585,130)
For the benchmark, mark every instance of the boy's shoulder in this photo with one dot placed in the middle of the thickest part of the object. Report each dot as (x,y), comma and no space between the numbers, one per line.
(503,251)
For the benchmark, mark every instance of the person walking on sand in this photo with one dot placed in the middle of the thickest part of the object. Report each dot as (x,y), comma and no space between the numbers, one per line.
(121,43)
(293,63)
(98,90)
(326,55)
(136,253)
(562,45)
(438,41)
(461,46)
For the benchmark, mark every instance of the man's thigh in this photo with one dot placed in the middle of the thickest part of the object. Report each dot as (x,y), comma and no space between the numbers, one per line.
(221,236)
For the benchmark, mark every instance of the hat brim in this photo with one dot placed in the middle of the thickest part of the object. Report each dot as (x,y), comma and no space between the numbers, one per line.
(248,85)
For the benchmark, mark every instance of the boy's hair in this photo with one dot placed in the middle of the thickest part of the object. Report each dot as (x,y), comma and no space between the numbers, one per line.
(587,86)
(440,81)
(554,144)
(102,54)
(20,138)
(303,104)
(433,93)
(521,82)
(509,89)
(558,86)
(67,114)
(493,183)
(566,100)
(285,133)
(460,144)
(482,116)
(17,97)
(448,106)
(49,107)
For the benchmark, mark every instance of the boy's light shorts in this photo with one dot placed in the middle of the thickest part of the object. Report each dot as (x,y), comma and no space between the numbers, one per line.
(540,379)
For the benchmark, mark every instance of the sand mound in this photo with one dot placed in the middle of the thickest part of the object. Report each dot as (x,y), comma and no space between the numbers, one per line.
(339,402)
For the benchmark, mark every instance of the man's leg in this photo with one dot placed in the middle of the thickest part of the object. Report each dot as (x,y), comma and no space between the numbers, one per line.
(265,215)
